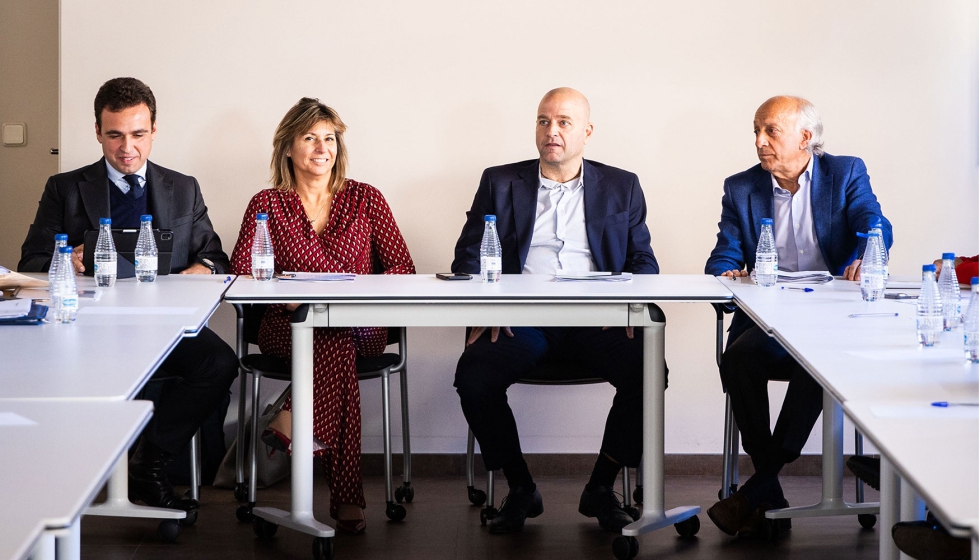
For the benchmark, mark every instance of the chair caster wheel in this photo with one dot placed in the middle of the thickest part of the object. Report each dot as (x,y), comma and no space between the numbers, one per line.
(241,492)
(244,513)
(634,512)
(168,530)
(486,514)
(867,520)
(689,527)
(323,548)
(477,497)
(405,492)
(264,530)
(190,519)
(625,548)
(638,495)
(395,512)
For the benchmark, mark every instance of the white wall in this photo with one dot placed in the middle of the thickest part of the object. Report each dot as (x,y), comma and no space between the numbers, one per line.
(434,91)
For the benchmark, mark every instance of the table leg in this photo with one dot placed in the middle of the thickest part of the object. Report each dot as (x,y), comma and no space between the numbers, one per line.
(68,542)
(117,502)
(832,501)
(45,547)
(654,517)
(300,517)
(890,503)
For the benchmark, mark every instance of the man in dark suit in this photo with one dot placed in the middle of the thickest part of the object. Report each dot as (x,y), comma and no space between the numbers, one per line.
(557,212)
(819,203)
(123,185)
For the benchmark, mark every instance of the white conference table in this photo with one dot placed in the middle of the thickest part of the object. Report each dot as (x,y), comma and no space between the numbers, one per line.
(67,449)
(872,360)
(517,300)
(108,354)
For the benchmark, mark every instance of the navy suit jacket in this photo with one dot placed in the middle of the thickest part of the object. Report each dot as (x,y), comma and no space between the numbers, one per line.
(74,201)
(615,218)
(842,204)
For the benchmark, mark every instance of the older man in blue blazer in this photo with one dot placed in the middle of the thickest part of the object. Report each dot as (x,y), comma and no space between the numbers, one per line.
(559,212)
(818,203)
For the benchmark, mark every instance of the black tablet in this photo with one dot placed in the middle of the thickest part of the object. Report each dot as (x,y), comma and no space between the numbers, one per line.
(125,240)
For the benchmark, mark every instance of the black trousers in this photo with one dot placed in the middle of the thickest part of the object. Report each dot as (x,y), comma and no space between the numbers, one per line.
(486,370)
(747,366)
(206,367)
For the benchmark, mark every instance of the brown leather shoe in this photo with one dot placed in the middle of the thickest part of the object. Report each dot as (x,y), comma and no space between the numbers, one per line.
(758,527)
(730,514)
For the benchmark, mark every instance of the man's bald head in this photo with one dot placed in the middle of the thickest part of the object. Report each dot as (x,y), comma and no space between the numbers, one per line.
(563,128)
(787,134)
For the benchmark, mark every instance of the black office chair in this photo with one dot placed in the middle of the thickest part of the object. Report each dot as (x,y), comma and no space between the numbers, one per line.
(261,365)
(548,373)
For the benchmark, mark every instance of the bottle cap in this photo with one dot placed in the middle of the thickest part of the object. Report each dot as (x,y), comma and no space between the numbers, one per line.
(767,221)
(490,218)
(949,256)
(61,237)
(105,221)
(874,234)
(146,218)
(974,281)
(65,249)
(261,216)
(928,268)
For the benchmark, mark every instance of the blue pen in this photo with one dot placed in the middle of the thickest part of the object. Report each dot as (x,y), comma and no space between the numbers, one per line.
(228,279)
(946,404)
(795,288)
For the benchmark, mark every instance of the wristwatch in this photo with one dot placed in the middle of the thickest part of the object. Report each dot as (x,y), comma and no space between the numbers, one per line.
(208,263)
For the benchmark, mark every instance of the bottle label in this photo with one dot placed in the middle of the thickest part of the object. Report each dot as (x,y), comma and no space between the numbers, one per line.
(107,268)
(263,262)
(929,323)
(69,302)
(489,263)
(146,263)
(762,267)
(873,281)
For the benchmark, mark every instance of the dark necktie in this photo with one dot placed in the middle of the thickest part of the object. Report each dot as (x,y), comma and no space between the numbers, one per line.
(135,190)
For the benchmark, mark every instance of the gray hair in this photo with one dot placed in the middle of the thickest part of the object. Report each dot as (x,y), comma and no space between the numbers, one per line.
(809,119)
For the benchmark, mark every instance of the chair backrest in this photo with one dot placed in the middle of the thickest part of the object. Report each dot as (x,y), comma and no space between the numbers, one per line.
(252,314)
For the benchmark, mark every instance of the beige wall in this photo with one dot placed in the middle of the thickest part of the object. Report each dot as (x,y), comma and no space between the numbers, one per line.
(28,94)
(434,91)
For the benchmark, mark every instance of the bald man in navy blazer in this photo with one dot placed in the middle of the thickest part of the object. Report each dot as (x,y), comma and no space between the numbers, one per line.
(556,213)
(818,203)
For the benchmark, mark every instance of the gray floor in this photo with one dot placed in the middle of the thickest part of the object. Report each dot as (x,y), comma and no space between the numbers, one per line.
(441,524)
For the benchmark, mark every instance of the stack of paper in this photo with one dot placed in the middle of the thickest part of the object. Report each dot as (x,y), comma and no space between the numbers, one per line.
(317,277)
(571,276)
(14,308)
(804,277)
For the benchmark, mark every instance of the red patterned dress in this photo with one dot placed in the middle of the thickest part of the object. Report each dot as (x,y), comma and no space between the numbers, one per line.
(360,226)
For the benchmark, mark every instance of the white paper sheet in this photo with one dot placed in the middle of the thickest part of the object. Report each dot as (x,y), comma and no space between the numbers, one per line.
(8,419)
(14,308)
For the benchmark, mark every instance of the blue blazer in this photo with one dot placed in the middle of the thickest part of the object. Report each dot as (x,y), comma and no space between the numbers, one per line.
(615,218)
(842,205)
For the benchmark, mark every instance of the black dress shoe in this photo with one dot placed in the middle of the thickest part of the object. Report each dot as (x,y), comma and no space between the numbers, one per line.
(149,484)
(601,502)
(731,514)
(868,469)
(928,540)
(516,507)
(757,526)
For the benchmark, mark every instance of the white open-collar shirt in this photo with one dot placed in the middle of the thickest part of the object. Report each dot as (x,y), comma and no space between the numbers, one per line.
(796,236)
(560,240)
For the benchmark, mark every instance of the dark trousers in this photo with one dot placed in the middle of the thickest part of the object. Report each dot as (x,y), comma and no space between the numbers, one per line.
(486,370)
(747,366)
(205,367)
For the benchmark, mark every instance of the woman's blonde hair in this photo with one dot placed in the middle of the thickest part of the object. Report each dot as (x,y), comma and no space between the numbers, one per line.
(303,116)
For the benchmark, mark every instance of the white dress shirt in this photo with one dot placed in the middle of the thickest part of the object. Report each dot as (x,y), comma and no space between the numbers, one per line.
(796,237)
(560,240)
(116,178)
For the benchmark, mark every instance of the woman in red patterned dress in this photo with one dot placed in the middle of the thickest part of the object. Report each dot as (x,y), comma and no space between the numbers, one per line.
(321,221)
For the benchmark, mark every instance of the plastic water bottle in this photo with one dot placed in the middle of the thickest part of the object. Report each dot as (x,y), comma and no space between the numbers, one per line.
(929,311)
(490,264)
(105,255)
(949,289)
(146,251)
(263,259)
(884,247)
(63,291)
(766,258)
(873,268)
(60,240)
(971,322)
